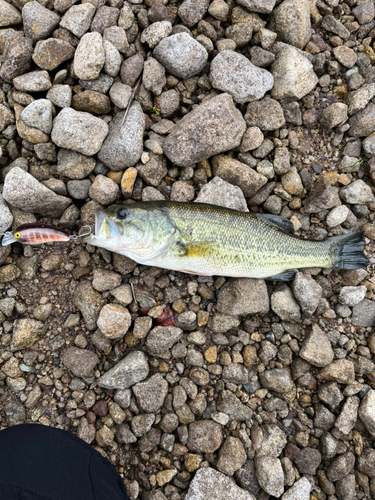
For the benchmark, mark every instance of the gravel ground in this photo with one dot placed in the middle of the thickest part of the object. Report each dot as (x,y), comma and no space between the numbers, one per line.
(194,387)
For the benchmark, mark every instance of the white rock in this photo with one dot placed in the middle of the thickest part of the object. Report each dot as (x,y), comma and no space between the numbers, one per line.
(367,411)
(337,216)
(299,491)
(352,295)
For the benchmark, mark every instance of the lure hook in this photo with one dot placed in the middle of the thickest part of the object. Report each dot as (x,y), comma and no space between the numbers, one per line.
(75,236)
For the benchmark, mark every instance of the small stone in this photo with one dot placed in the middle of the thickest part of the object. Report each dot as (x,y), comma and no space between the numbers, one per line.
(78,19)
(252,139)
(322,197)
(348,416)
(38,22)
(284,304)
(308,461)
(234,73)
(334,115)
(89,302)
(104,17)
(151,393)
(113,59)
(161,339)
(36,81)
(270,475)
(89,57)
(80,362)
(114,321)
(364,313)
(273,441)
(299,491)
(101,84)
(346,56)
(74,165)
(117,36)
(366,463)
(104,190)
(307,292)
(341,466)
(130,370)
(232,456)
(9,15)
(316,348)
(49,54)
(341,371)
(337,216)
(104,437)
(278,380)
(221,193)
(243,296)
(92,102)
(331,24)
(181,55)
(367,411)
(352,295)
(17,58)
(131,69)
(205,436)
(191,12)
(154,33)
(219,10)
(105,280)
(60,95)
(26,332)
(362,123)
(291,22)
(38,114)
(120,94)
(357,193)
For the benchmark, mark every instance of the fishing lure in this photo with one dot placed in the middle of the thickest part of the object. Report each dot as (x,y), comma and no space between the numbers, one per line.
(37,234)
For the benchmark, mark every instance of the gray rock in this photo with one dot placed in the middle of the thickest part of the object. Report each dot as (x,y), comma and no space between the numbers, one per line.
(104,17)
(141,424)
(331,24)
(299,491)
(74,165)
(23,191)
(291,21)
(6,217)
(266,114)
(232,456)
(334,115)
(17,58)
(153,77)
(246,478)
(252,139)
(362,123)
(368,145)
(367,411)
(364,313)
(89,57)
(284,304)
(154,170)
(347,419)
(105,280)
(117,36)
(78,18)
(168,103)
(261,6)
(270,475)
(79,131)
(352,295)
(322,197)
(345,487)
(345,55)
(316,348)
(366,463)
(274,441)
(9,15)
(15,413)
(337,216)
(102,84)
(341,466)
(120,94)
(260,57)
(235,373)
(114,321)
(36,81)
(151,393)
(81,362)
(181,55)
(131,69)
(229,404)
(307,292)
(192,11)
(209,484)
(26,332)
(38,114)
(340,371)
(161,339)
(49,54)
(104,190)
(205,436)
(154,33)
(357,193)
(235,74)
(293,75)
(130,370)
(89,302)
(38,22)
(215,126)
(359,99)
(308,460)
(243,296)
(113,59)
(223,194)
(278,380)
(124,144)
(79,190)
(60,95)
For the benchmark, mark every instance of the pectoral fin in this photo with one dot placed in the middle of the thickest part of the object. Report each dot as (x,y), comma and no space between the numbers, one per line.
(196,249)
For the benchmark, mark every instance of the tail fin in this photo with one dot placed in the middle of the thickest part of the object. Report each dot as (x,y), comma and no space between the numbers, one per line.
(8,239)
(347,251)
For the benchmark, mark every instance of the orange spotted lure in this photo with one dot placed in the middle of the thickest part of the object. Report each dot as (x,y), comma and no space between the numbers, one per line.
(37,234)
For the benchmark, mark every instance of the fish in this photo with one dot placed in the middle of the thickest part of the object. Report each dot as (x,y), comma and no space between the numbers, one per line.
(208,240)
(35,234)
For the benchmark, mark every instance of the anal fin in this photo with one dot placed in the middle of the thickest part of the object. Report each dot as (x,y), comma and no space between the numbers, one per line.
(287,275)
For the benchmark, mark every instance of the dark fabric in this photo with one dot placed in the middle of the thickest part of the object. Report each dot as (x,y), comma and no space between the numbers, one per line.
(43,463)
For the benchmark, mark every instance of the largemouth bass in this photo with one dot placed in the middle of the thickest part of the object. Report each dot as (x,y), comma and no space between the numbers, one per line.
(209,240)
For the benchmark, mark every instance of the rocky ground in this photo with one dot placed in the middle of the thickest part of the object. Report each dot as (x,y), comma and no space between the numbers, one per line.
(194,387)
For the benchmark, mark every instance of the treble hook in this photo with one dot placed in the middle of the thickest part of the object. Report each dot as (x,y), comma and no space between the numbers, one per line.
(75,236)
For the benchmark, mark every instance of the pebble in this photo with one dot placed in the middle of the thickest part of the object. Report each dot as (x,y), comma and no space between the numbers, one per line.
(60,95)
(243,296)
(341,371)
(278,380)
(36,81)
(81,362)
(316,348)
(299,491)
(284,304)
(367,411)
(291,22)
(270,475)
(26,332)
(191,12)
(114,321)
(74,165)
(89,56)
(357,193)
(364,313)
(205,436)
(154,33)
(17,58)
(89,302)
(307,292)
(38,114)
(221,193)
(334,115)
(266,114)
(126,373)
(229,404)
(151,393)
(232,456)
(352,295)
(49,54)
(38,22)
(211,484)
(78,18)
(362,123)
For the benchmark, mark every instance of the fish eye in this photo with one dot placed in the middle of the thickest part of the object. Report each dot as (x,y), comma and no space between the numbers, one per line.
(17,235)
(121,214)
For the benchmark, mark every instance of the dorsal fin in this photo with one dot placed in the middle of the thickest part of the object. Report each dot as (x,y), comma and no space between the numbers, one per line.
(280,222)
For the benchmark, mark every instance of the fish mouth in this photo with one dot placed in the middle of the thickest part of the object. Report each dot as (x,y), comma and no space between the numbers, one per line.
(105,228)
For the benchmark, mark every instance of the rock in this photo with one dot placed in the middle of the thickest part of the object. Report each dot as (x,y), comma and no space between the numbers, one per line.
(337,216)
(316,348)
(9,15)
(49,54)
(307,292)
(308,460)
(102,84)
(270,475)
(341,466)
(284,304)
(113,59)
(322,197)
(357,193)
(105,280)
(293,75)
(273,442)
(252,139)
(348,416)
(221,193)
(341,371)
(278,380)
(23,191)
(367,411)
(60,95)
(153,76)
(38,114)
(364,313)
(26,332)
(366,463)
(365,13)
(131,69)
(36,81)
(31,134)
(299,491)
(352,295)
(209,484)
(192,11)
(154,170)
(9,272)
(246,478)
(345,487)
(346,56)
(235,373)
(235,74)
(89,57)
(168,103)
(130,370)
(243,296)
(368,145)
(124,144)
(238,173)
(78,19)
(232,456)
(74,165)
(154,33)
(161,339)
(120,94)
(92,102)
(89,302)
(38,22)
(262,6)
(229,404)
(80,362)
(6,217)
(181,55)
(17,58)
(151,393)
(104,17)
(79,131)
(291,21)
(114,321)
(266,114)
(104,190)
(205,436)
(333,25)
(213,127)
(334,115)
(362,123)
(117,36)
(6,117)
(359,99)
